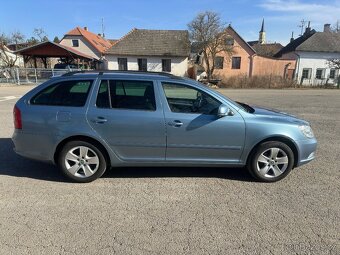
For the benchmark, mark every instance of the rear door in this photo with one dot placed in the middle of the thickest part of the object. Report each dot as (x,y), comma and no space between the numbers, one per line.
(127,114)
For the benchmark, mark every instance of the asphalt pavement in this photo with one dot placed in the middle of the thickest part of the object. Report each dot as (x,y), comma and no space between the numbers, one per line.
(177,210)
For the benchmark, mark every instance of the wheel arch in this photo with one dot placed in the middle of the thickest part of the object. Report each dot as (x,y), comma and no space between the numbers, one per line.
(83,138)
(282,139)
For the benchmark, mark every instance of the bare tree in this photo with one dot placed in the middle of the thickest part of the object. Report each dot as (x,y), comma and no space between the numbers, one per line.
(7,57)
(41,34)
(208,30)
(336,27)
(335,63)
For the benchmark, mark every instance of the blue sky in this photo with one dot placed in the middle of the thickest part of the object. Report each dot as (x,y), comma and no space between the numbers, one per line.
(57,17)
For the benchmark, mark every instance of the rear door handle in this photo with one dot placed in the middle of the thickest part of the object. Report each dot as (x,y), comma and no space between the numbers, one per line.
(99,120)
(175,123)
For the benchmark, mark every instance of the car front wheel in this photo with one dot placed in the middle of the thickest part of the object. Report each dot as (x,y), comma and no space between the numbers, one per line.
(271,161)
(82,161)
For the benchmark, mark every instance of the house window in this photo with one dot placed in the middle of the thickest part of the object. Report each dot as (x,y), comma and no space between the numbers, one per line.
(236,63)
(320,73)
(166,65)
(122,64)
(306,73)
(229,41)
(219,62)
(75,43)
(142,64)
(332,74)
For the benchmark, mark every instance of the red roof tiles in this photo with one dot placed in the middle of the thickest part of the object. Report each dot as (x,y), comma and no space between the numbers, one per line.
(98,42)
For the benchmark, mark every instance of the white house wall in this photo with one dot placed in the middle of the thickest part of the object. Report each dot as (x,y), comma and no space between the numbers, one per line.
(84,46)
(314,60)
(179,65)
(19,61)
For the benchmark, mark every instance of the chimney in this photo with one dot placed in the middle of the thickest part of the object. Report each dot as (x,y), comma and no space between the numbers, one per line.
(308,29)
(85,28)
(292,38)
(327,28)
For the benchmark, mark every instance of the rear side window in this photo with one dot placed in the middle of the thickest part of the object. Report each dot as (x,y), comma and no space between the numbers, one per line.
(66,93)
(136,95)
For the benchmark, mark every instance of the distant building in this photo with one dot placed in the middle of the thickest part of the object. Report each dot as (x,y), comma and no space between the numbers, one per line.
(86,42)
(151,50)
(10,56)
(312,51)
(263,48)
(245,61)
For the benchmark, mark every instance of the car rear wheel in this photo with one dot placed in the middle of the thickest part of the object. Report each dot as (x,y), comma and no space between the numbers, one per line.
(82,161)
(271,161)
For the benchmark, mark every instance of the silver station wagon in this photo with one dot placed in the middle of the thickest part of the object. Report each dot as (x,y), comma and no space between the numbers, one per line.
(87,122)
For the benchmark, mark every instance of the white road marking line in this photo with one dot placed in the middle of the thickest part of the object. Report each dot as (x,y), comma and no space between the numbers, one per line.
(2,99)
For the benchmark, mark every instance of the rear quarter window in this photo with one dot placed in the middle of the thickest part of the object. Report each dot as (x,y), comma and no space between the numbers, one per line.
(72,93)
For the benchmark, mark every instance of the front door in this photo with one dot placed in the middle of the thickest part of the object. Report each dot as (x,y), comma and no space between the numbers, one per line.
(194,131)
(128,116)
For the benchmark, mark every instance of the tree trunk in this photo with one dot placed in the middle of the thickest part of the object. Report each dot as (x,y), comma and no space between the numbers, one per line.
(207,63)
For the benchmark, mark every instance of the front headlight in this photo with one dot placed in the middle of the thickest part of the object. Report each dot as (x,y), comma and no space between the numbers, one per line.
(307,131)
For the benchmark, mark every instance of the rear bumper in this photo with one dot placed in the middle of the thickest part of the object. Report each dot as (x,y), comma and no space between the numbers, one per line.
(31,146)
(307,150)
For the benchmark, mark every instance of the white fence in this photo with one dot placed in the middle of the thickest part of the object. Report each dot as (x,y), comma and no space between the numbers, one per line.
(30,75)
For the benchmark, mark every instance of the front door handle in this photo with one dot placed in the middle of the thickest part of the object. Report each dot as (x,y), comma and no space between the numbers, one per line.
(99,120)
(175,123)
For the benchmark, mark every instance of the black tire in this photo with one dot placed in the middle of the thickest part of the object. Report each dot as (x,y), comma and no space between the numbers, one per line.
(93,153)
(257,167)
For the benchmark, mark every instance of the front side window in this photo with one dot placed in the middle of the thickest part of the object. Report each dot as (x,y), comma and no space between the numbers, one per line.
(332,74)
(75,43)
(219,62)
(166,65)
(66,93)
(236,62)
(320,73)
(185,99)
(118,94)
(122,64)
(306,73)
(142,64)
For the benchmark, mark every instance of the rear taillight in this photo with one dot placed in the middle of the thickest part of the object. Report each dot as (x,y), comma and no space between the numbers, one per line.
(17,118)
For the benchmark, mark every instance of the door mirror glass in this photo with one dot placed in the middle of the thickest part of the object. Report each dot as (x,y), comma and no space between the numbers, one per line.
(224,110)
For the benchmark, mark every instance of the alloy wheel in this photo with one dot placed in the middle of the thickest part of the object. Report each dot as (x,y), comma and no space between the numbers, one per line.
(81,161)
(272,163)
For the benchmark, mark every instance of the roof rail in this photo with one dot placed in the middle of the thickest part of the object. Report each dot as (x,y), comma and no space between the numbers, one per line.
(101,72)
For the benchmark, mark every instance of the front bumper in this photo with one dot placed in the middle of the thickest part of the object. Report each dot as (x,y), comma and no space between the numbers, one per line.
(307,150)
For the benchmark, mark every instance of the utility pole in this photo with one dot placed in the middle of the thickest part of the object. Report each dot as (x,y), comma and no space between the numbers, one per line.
(103,28)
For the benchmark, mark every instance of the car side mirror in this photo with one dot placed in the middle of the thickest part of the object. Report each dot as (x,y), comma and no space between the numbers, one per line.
(224,110)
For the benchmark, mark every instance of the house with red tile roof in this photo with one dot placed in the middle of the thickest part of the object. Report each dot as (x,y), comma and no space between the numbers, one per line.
(86,42)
